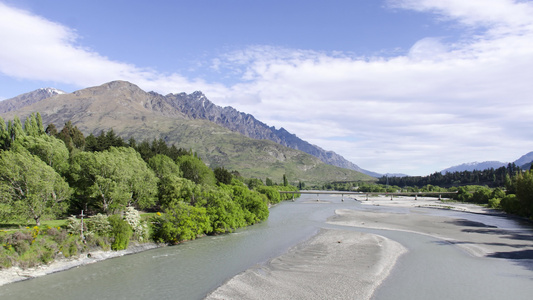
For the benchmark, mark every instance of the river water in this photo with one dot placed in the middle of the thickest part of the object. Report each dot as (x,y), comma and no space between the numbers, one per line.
(430,270)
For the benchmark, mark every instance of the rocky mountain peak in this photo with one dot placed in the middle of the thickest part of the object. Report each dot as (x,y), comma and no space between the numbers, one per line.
(28,99)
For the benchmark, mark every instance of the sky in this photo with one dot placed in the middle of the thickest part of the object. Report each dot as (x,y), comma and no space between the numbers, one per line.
(394,86)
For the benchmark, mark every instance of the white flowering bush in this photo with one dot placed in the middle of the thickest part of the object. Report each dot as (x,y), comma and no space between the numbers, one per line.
(140,229)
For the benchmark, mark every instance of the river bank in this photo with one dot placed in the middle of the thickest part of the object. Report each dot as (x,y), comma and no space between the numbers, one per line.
(15,274)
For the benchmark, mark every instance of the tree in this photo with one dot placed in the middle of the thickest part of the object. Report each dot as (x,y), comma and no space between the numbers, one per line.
(285,181)
(174,189)
(113,179)
(49,149)
(180,222)
(5,139)
(524,193)
(72,137)
(195,170)
(163,166)
(30,188)
(51,129)
(222,175)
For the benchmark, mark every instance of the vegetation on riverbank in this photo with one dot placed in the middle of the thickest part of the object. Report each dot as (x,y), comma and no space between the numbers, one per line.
(50,174)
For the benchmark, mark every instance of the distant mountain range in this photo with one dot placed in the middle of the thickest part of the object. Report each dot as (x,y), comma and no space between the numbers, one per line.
(523,162)
(221,136)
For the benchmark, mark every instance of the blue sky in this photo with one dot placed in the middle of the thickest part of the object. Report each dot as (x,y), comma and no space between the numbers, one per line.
(401,86)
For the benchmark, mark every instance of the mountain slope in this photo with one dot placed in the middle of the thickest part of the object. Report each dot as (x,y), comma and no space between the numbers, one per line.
(131,112)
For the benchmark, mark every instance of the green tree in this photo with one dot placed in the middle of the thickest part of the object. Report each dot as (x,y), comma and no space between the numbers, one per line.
(174,189)
(180,222)
(5,139)
(164,166)
(30,188)
(49,149)
(51,129)
(524,192)
(195,170)
(72,137)
(224,213)
(222,175)
(113,179)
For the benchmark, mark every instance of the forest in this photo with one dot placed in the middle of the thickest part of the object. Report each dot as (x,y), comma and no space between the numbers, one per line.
(126,191)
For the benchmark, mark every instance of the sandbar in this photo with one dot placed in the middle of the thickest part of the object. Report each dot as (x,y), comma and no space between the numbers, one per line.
(334,264)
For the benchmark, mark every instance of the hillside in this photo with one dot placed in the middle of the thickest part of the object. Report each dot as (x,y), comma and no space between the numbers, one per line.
(131,112)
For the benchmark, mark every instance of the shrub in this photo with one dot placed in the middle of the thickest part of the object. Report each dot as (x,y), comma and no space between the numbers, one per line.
(58,235)
(73,225)
(510,204)
(121,232)
(180,222)
(71,246)
(140,229)
(494,202)
(99,224)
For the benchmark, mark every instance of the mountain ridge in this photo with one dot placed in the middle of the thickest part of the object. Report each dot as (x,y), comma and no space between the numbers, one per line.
(198,106)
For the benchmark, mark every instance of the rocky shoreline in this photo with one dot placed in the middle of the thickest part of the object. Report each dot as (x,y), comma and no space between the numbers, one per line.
(15,274)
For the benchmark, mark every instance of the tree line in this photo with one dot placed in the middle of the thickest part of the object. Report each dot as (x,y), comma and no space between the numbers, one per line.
(489,177)
(49,174)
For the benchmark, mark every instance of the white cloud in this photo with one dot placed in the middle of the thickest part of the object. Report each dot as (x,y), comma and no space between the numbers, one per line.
(38,49)
(442,104)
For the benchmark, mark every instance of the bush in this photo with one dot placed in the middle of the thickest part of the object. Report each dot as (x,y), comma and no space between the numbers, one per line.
(482,195)
(121,232)
(510,204)
(71,246)
(98,224)
(494,202)
(271,193)
(180,222)
(140,229)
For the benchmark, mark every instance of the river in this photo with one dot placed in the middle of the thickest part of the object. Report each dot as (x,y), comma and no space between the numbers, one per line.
(193,269)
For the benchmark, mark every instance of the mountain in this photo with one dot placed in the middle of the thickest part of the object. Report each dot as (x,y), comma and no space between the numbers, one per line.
(474,166)
(28,99)
(524,162)
(132,112)
(197,106)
